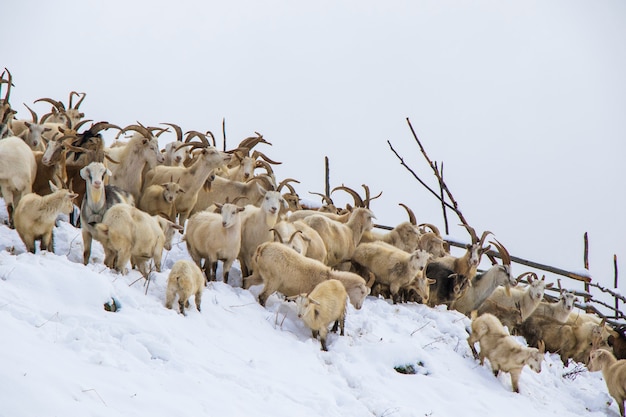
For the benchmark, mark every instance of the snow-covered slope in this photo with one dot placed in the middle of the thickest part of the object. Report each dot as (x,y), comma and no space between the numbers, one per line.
(62,354)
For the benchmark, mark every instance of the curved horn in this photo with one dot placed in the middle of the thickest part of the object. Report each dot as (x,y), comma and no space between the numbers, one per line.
(368,197)
(277,235)
(472,232)
(263,164)
(370,282)
(432,227)
(139,128)
(32,114)
(193,134)
(57,104)
(531,274)
(325,198)
(294,235)
(504,254)
(9,82)
(209,133)
(252,141)
(358,201)
(257,154)
(285,183)
(484,236)
(410,213)
(81,123)
(80,100)
(177,129)
(240,197)
(94,129)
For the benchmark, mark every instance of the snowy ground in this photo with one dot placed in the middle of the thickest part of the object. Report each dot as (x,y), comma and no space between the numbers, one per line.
(64,355)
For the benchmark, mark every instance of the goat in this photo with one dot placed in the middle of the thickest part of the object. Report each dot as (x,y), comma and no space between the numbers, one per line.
(255,228)
(215,237)
(303,239)
(393,267)
(129,233)
(59,114)
(98,199)
(176,153)
(141,152)
(465,265)
(17,172)
(184,280)
(191,178)
(483,284)
(282,269)
(158,199)
(35,216)
(502,350)
(30,132)
(617,341)
(341,239)
(324,305)
(523,300)
(614,373)
(560,310)
(223,188)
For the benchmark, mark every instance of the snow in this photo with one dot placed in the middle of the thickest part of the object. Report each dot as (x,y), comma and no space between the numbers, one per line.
(64,354)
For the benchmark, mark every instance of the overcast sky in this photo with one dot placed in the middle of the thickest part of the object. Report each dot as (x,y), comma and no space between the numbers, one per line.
(524,101)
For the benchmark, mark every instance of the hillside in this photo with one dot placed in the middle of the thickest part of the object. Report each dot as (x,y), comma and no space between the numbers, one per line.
(63,354)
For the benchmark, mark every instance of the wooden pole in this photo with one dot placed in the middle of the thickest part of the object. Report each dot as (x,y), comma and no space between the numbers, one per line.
(586,262)
(327,176)
(443,206)
(615,269)
(224,132)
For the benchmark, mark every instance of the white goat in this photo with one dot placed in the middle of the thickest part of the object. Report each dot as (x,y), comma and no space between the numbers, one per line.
(17,172)
(503,351)
(223,189)
(184,280)
(214,237)
(255,229)
(141,152)
(322,306)
(191,178)
(341,239)
(393,266)
(524,301)
(560,310)
(158,199)
(282,269)
(614,373)
(127,232)
(35,216)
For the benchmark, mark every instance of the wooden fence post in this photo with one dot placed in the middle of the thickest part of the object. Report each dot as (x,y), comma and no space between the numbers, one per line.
(615,269)
(586,261)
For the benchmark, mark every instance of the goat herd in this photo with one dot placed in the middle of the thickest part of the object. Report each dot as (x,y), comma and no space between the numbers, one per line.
(134,197)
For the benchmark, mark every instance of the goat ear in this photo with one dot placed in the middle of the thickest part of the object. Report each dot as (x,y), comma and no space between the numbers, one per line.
(431,281)
(542,347)
(109,173)
(550,285)
(314,301)
(84,173)
(52,186)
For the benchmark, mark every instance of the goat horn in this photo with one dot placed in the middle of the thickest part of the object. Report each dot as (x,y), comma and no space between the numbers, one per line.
(294,235)
(94,129)
(111,159)
(531,274)
(263,164)
(358,201)
(240,197)
(9,82)
(57,104)
(368,197)
(432,227)
(177,129)
(277,235)
(285,183)
(193,134)
(79,100)
(371,281)
(209,133)
(410,213)
(504,254)
(81,123)
(325,198)
(472,232)
(32,114)
(139,128)
(256,154)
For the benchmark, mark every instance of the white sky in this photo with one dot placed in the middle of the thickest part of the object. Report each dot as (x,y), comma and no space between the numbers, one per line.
(524,101)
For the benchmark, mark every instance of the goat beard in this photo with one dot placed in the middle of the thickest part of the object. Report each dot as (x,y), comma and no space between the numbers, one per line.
(270,220)
(96,194)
